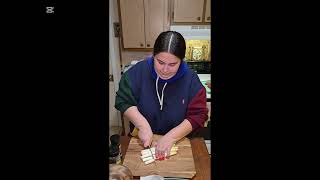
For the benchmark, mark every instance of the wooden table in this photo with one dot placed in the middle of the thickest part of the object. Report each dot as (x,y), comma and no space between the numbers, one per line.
(201,157)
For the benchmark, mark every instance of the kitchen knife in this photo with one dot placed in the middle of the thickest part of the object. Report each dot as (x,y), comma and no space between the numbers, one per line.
(152,155)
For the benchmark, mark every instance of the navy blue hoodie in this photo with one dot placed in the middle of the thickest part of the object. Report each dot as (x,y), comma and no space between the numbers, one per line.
(184,97)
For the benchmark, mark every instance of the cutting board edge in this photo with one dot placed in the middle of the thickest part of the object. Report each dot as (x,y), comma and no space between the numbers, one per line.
(168,174)
(187,174)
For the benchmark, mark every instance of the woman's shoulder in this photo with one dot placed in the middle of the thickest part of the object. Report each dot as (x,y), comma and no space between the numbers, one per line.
(192,75)
(134,63)
(193,79)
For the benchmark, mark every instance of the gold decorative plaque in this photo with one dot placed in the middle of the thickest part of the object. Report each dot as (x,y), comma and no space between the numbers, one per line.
(197,50)
(197,54)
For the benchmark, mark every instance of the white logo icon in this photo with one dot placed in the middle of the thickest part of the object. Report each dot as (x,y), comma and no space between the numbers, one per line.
(50,10)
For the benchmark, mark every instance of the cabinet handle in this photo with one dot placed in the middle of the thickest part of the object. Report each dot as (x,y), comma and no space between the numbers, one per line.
(110,78)
(208,18)
(148,45)
(141,45)
(198,18)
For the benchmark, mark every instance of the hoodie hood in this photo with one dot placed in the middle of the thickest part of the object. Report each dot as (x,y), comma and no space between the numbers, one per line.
(181,71)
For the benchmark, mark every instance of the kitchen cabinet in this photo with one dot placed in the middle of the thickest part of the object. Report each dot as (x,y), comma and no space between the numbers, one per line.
(191,11)
(207,15)
(142,21)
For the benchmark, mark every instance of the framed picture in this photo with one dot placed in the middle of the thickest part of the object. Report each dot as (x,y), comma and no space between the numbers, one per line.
(197,53)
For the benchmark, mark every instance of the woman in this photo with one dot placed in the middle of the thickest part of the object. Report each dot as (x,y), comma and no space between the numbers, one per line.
(161,95)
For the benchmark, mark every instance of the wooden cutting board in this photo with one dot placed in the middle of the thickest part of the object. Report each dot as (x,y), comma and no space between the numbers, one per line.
(180,165)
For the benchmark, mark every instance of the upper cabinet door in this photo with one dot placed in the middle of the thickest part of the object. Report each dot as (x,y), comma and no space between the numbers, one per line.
(156,19)
(188,10)
(208,11)
(132,22)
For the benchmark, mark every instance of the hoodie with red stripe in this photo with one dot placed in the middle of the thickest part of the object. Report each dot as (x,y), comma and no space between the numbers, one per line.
(184,96)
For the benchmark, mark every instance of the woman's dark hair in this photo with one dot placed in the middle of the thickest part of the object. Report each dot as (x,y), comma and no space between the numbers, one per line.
(171,42)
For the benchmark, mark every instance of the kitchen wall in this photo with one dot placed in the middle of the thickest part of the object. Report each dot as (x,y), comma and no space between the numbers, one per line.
(198,39)
(129,55)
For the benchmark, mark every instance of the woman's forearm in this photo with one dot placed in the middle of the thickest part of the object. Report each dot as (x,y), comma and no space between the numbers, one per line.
(133,114)
(180,131)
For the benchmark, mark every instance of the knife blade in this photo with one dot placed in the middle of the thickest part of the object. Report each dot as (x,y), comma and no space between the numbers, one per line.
(152,155)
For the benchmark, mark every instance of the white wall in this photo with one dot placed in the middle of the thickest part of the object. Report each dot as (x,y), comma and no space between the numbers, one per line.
(114,62)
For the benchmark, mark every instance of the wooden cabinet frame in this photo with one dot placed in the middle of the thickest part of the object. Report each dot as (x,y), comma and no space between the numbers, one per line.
(151,27)
(171,10)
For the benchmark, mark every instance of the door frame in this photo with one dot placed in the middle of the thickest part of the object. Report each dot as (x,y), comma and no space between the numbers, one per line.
(114,51)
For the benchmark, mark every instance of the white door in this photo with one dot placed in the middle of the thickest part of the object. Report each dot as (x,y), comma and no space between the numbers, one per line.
(115,124)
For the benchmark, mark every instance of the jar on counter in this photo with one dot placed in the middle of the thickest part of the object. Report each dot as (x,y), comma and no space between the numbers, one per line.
(115,141)
(114,155)
(115,150)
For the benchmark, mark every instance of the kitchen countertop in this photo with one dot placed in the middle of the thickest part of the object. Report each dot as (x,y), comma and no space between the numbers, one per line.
(204,78)
(200,153)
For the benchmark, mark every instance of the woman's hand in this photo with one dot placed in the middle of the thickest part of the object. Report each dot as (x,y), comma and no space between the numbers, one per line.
(163,146)
(145,134)
(140,122)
